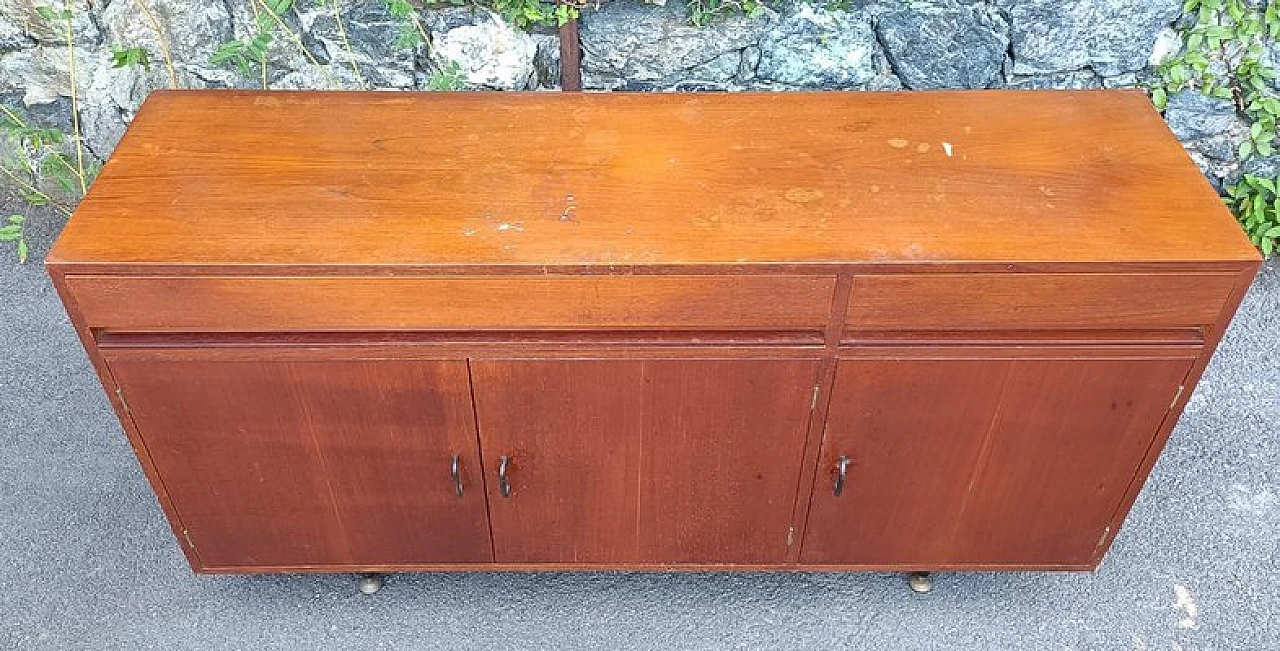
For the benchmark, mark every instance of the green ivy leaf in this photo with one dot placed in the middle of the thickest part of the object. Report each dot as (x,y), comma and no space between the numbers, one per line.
(133,56)
(1160,97)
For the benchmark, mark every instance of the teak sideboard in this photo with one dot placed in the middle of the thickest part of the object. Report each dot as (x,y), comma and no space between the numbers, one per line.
(919,331)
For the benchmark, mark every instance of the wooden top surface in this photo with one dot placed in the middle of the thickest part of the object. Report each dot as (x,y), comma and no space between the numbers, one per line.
(636,181)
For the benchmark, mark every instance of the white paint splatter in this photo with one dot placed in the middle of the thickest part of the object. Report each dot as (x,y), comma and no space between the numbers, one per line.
(507,226)
(1185,604)
(946,146)
(469,232)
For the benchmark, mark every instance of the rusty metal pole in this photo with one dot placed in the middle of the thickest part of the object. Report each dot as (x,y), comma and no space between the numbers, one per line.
(570,57)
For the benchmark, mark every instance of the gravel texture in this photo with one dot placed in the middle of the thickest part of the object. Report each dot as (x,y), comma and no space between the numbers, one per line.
(86,560)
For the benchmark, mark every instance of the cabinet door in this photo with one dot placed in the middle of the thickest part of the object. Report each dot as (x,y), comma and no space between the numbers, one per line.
(643,461)
(955,462)
(323,463)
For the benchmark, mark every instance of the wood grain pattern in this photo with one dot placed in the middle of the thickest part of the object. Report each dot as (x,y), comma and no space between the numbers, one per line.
(115,397)
(721,451)
(655,461)
(571,432)
(222,304)
(1028,301)
(320,463)
(618,180)
(982,461)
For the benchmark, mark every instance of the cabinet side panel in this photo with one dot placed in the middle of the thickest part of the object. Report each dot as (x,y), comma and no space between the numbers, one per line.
(126,421)
(1243,279)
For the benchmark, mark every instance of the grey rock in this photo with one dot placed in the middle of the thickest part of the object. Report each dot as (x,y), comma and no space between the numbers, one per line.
(1209,128)
(1126,80)
(190,30)
(811,47)
(42,73)
(363,48)
(1110,36)
(102,124)
(629,44)
(1271,59)
(24,15)
(885,80)
(448,18)
(12,35)
(1192,115)
(1167,44)
(1264,166)
(491,53)
(1076,80)
(56,114)
(945,45)
(294,59)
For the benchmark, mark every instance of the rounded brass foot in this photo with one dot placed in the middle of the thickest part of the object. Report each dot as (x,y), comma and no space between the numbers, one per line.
(370,583)
(920,582)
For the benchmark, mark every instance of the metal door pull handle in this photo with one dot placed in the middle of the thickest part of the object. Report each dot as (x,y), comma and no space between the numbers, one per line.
(503,485)
(842,469)
(455,471)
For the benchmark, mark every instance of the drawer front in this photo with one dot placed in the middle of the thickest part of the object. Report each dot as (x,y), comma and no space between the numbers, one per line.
(250,304)
(1036,301)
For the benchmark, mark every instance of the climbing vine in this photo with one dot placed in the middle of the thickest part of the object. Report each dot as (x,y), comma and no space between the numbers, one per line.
(165,52)
(40,163)
(410,33)
(34,163)
(702,12)
(245,53)
(66,16)
(528,13)
(1223,54)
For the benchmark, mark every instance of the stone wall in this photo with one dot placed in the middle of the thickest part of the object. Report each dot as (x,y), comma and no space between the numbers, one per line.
(627,44)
